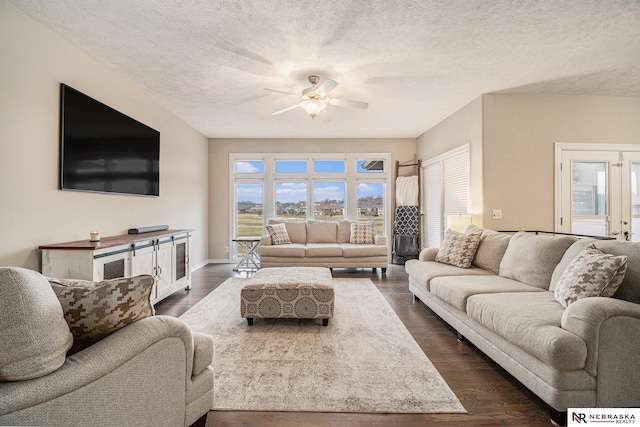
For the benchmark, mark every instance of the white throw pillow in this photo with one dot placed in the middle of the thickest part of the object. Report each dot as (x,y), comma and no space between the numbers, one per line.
(591,274)
(458,249)
(278,233)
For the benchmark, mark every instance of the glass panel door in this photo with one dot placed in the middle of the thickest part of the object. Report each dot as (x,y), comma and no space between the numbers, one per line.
(591,193)
(631,196)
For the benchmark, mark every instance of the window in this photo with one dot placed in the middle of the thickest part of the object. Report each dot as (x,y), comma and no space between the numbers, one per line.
(291,166)
(328,201)
(291,200)
(249,209)
(249,166)
(328,166)
(446,191)
(324,187)
(371,204)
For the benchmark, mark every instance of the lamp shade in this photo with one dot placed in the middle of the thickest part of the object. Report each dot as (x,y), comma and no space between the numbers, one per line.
(313,106)
(458,223)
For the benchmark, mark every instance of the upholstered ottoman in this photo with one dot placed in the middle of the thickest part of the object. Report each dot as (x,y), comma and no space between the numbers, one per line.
(288,292)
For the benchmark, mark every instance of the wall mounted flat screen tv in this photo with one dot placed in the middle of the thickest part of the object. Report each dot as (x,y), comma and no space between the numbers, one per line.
(104,150)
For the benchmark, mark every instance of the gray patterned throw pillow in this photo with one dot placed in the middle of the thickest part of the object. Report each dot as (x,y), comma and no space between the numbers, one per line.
(361,233)
(94,310)
(591,274)
(458,249)
(278,233)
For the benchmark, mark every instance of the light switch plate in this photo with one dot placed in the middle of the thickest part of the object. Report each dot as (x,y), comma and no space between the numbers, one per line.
(497,214)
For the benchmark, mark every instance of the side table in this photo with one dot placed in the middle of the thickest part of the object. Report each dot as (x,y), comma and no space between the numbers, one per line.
(250,259)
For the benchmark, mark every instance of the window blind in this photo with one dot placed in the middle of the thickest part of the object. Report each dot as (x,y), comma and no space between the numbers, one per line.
(446,191)
(433,205)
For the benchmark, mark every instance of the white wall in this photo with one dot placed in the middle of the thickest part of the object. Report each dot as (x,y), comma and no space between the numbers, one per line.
(401,149)
(33,211)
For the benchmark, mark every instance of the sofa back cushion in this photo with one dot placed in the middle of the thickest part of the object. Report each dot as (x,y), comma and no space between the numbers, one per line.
(532,258)
(629,290)
(297,230)
(34,335)
(322,232)
(344,231)
(491,249)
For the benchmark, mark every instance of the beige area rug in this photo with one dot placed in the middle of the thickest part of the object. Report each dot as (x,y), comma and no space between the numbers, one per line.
(365,360)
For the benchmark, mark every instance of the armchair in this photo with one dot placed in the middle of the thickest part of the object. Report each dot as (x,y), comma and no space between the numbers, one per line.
(153,372)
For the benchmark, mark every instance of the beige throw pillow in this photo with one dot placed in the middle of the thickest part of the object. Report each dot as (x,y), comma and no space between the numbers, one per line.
(458,249)
(361,233)
(278,233)
(94,310)
(591,274)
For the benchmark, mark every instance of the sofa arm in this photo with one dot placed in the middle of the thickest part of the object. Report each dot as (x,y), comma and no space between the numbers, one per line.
(202,352)
(428,254)
(380,240)
(101,373)
(592,318)
(265,241)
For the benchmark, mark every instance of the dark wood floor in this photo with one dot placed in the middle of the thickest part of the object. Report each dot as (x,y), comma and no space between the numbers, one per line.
(490,395)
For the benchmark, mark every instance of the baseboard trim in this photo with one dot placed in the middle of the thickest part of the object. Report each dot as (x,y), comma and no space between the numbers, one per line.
(211,261)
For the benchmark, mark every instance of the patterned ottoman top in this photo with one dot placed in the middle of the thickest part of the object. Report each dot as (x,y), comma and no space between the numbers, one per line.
(288,277)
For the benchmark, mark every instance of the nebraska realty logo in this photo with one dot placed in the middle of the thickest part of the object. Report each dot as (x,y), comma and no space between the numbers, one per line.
(602,416)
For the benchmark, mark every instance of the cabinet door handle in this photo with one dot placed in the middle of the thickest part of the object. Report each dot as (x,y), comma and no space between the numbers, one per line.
(160,272)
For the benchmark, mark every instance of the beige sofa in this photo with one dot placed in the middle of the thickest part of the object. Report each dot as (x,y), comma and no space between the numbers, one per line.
(152,372)
(585,355)
(322,244)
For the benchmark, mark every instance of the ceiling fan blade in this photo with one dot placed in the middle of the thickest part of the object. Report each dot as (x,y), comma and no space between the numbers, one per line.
(275,113)
(327,86)
(281,91)
(350,104)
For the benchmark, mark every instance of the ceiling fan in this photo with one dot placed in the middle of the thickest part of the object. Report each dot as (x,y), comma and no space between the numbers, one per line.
(315,99)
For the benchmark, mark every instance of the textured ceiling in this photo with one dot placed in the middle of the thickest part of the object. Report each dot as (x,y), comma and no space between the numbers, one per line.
(415,61)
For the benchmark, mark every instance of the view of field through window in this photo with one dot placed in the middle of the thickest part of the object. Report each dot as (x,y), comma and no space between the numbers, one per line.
(292,190)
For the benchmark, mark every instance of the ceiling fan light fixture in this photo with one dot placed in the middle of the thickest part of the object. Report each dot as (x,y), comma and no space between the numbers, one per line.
(313,106)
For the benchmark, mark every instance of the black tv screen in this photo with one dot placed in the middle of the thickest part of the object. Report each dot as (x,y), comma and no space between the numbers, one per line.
(104,150)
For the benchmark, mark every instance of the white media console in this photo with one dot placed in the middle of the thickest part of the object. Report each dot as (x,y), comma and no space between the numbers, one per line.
(162,254)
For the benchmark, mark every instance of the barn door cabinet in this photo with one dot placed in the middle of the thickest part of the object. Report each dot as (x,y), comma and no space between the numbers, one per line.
(162,254)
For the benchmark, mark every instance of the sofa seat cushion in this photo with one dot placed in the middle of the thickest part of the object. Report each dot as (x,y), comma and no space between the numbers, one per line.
(315,250)
(352,250)
(291,250)
(531,321)
(456,290)
(424,271)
